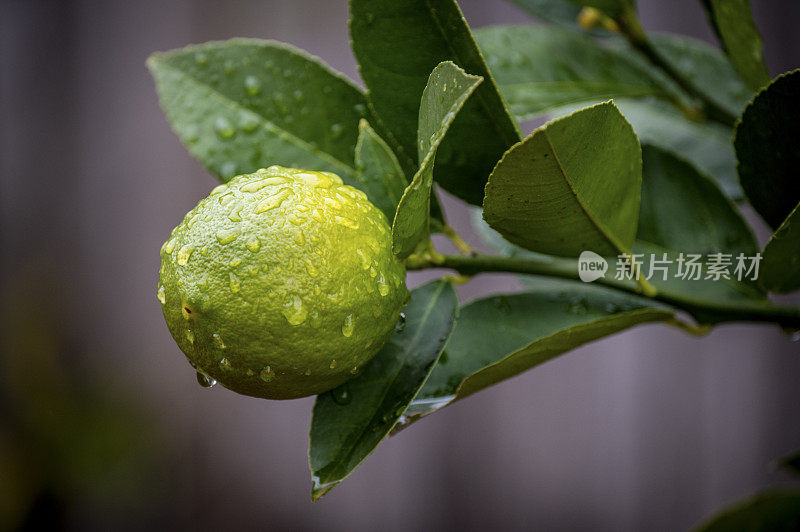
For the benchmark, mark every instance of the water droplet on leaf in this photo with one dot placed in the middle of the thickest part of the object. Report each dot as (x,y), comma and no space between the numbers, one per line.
(224,128)
(341,395)
(252,85)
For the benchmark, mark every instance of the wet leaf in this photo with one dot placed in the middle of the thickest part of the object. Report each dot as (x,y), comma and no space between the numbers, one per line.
(350,421)
(706,145)
(539,68)
(378,171)
(501,336)
(245,104)
(397,45)
(443,98)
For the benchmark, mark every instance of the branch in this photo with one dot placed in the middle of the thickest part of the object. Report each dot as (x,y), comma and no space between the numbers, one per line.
(745,310)
(632,30)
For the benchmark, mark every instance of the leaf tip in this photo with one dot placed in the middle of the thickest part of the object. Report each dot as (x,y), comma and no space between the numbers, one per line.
(320,489)
(151,61)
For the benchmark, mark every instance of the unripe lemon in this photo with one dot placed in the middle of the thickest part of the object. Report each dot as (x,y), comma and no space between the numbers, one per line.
(281,283)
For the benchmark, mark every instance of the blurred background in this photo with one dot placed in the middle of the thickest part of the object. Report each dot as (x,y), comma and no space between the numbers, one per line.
(102,423)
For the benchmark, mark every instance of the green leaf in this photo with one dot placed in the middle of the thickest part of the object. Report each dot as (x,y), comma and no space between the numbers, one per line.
(501,336)
(554,11)
(707,146)
(539,68)
(780,267)
(733,22)
(350,421)
(773,511)
(397,45)
(767,149)
(683,210)
(378,171)
(676,197)
(572,185)
(444,96)
(245,104)
(705,67)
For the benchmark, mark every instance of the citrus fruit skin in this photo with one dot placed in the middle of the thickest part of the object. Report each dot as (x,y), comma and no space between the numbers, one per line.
(281,283)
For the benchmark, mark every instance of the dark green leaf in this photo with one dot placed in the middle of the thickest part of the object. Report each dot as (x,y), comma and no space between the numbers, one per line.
(501,336)
(706,68)
(245,104)
(539,68)
(733,22)
(683,210)
(768,151)
(444,96)
(350,421)
(707,146)
(774,511)
(397,45)
(780,268)
(572,185)
(378,171)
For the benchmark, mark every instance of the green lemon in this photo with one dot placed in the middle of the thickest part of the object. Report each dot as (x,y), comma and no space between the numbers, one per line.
(281,283)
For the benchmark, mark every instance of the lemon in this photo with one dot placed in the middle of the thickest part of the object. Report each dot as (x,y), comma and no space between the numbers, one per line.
(281,283)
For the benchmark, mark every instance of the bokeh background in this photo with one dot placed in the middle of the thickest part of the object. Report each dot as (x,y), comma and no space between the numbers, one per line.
(102,423)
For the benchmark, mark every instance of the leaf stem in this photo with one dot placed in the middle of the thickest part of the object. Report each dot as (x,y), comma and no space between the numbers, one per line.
(709,310)
(630,27)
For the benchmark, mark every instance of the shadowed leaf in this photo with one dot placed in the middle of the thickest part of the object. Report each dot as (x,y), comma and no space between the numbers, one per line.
(397,45)
(350,421)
